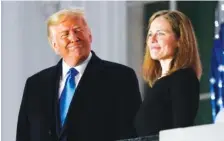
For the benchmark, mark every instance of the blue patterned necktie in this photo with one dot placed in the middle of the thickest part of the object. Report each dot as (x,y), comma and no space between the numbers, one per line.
(67,94)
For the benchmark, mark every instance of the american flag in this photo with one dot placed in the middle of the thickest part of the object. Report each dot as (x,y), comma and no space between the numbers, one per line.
(217,63)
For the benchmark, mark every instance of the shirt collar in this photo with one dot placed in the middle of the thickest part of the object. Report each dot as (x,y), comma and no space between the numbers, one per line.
(80,68)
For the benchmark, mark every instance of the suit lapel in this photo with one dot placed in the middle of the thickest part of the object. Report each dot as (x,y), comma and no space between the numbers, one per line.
(49,97)
(54,86)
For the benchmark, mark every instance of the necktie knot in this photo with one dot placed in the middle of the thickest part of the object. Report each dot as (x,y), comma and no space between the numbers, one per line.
(73,72)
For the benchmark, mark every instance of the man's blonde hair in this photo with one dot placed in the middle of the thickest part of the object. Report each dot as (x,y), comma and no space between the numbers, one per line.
(61,15)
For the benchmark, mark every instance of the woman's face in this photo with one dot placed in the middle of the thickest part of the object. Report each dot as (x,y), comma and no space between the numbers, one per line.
(161,39)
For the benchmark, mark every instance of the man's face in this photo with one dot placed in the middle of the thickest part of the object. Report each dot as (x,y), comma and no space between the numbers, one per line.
(71,39)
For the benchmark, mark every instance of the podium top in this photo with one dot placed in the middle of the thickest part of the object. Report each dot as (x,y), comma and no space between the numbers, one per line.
(145,138)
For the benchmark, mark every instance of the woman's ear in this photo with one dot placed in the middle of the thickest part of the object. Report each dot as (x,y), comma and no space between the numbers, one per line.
(178,44)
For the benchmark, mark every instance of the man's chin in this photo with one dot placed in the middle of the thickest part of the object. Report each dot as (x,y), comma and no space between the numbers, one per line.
(75,54)
(73,49)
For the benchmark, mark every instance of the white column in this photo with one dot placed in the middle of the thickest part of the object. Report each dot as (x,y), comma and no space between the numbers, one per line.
(135,39)
(173,5)
(25,51)
(12,74)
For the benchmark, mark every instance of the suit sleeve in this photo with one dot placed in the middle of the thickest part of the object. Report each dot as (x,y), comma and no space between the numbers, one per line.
(131,104)
(185,99)
(22,133)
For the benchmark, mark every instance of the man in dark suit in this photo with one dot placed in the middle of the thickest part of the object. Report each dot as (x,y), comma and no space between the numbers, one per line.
(82,98)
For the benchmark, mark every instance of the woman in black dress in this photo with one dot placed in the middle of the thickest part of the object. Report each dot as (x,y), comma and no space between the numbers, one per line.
(172,68)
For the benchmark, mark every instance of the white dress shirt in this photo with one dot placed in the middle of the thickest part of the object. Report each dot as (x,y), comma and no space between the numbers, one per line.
(65,68)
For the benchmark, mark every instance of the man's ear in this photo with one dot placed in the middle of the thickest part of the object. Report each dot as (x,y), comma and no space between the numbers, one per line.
(50,41)
(90,35)
(53,45)
(55,48)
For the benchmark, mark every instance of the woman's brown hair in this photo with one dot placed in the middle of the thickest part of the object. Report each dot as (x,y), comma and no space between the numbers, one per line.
(186,55)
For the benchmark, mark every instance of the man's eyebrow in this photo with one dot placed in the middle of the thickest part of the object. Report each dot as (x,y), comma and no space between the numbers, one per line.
(64,31)
(76,27)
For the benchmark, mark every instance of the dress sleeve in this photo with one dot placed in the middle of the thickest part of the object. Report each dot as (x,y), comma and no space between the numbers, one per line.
(184,98)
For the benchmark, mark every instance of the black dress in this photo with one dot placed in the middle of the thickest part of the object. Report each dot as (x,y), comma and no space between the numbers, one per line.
(172,102)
